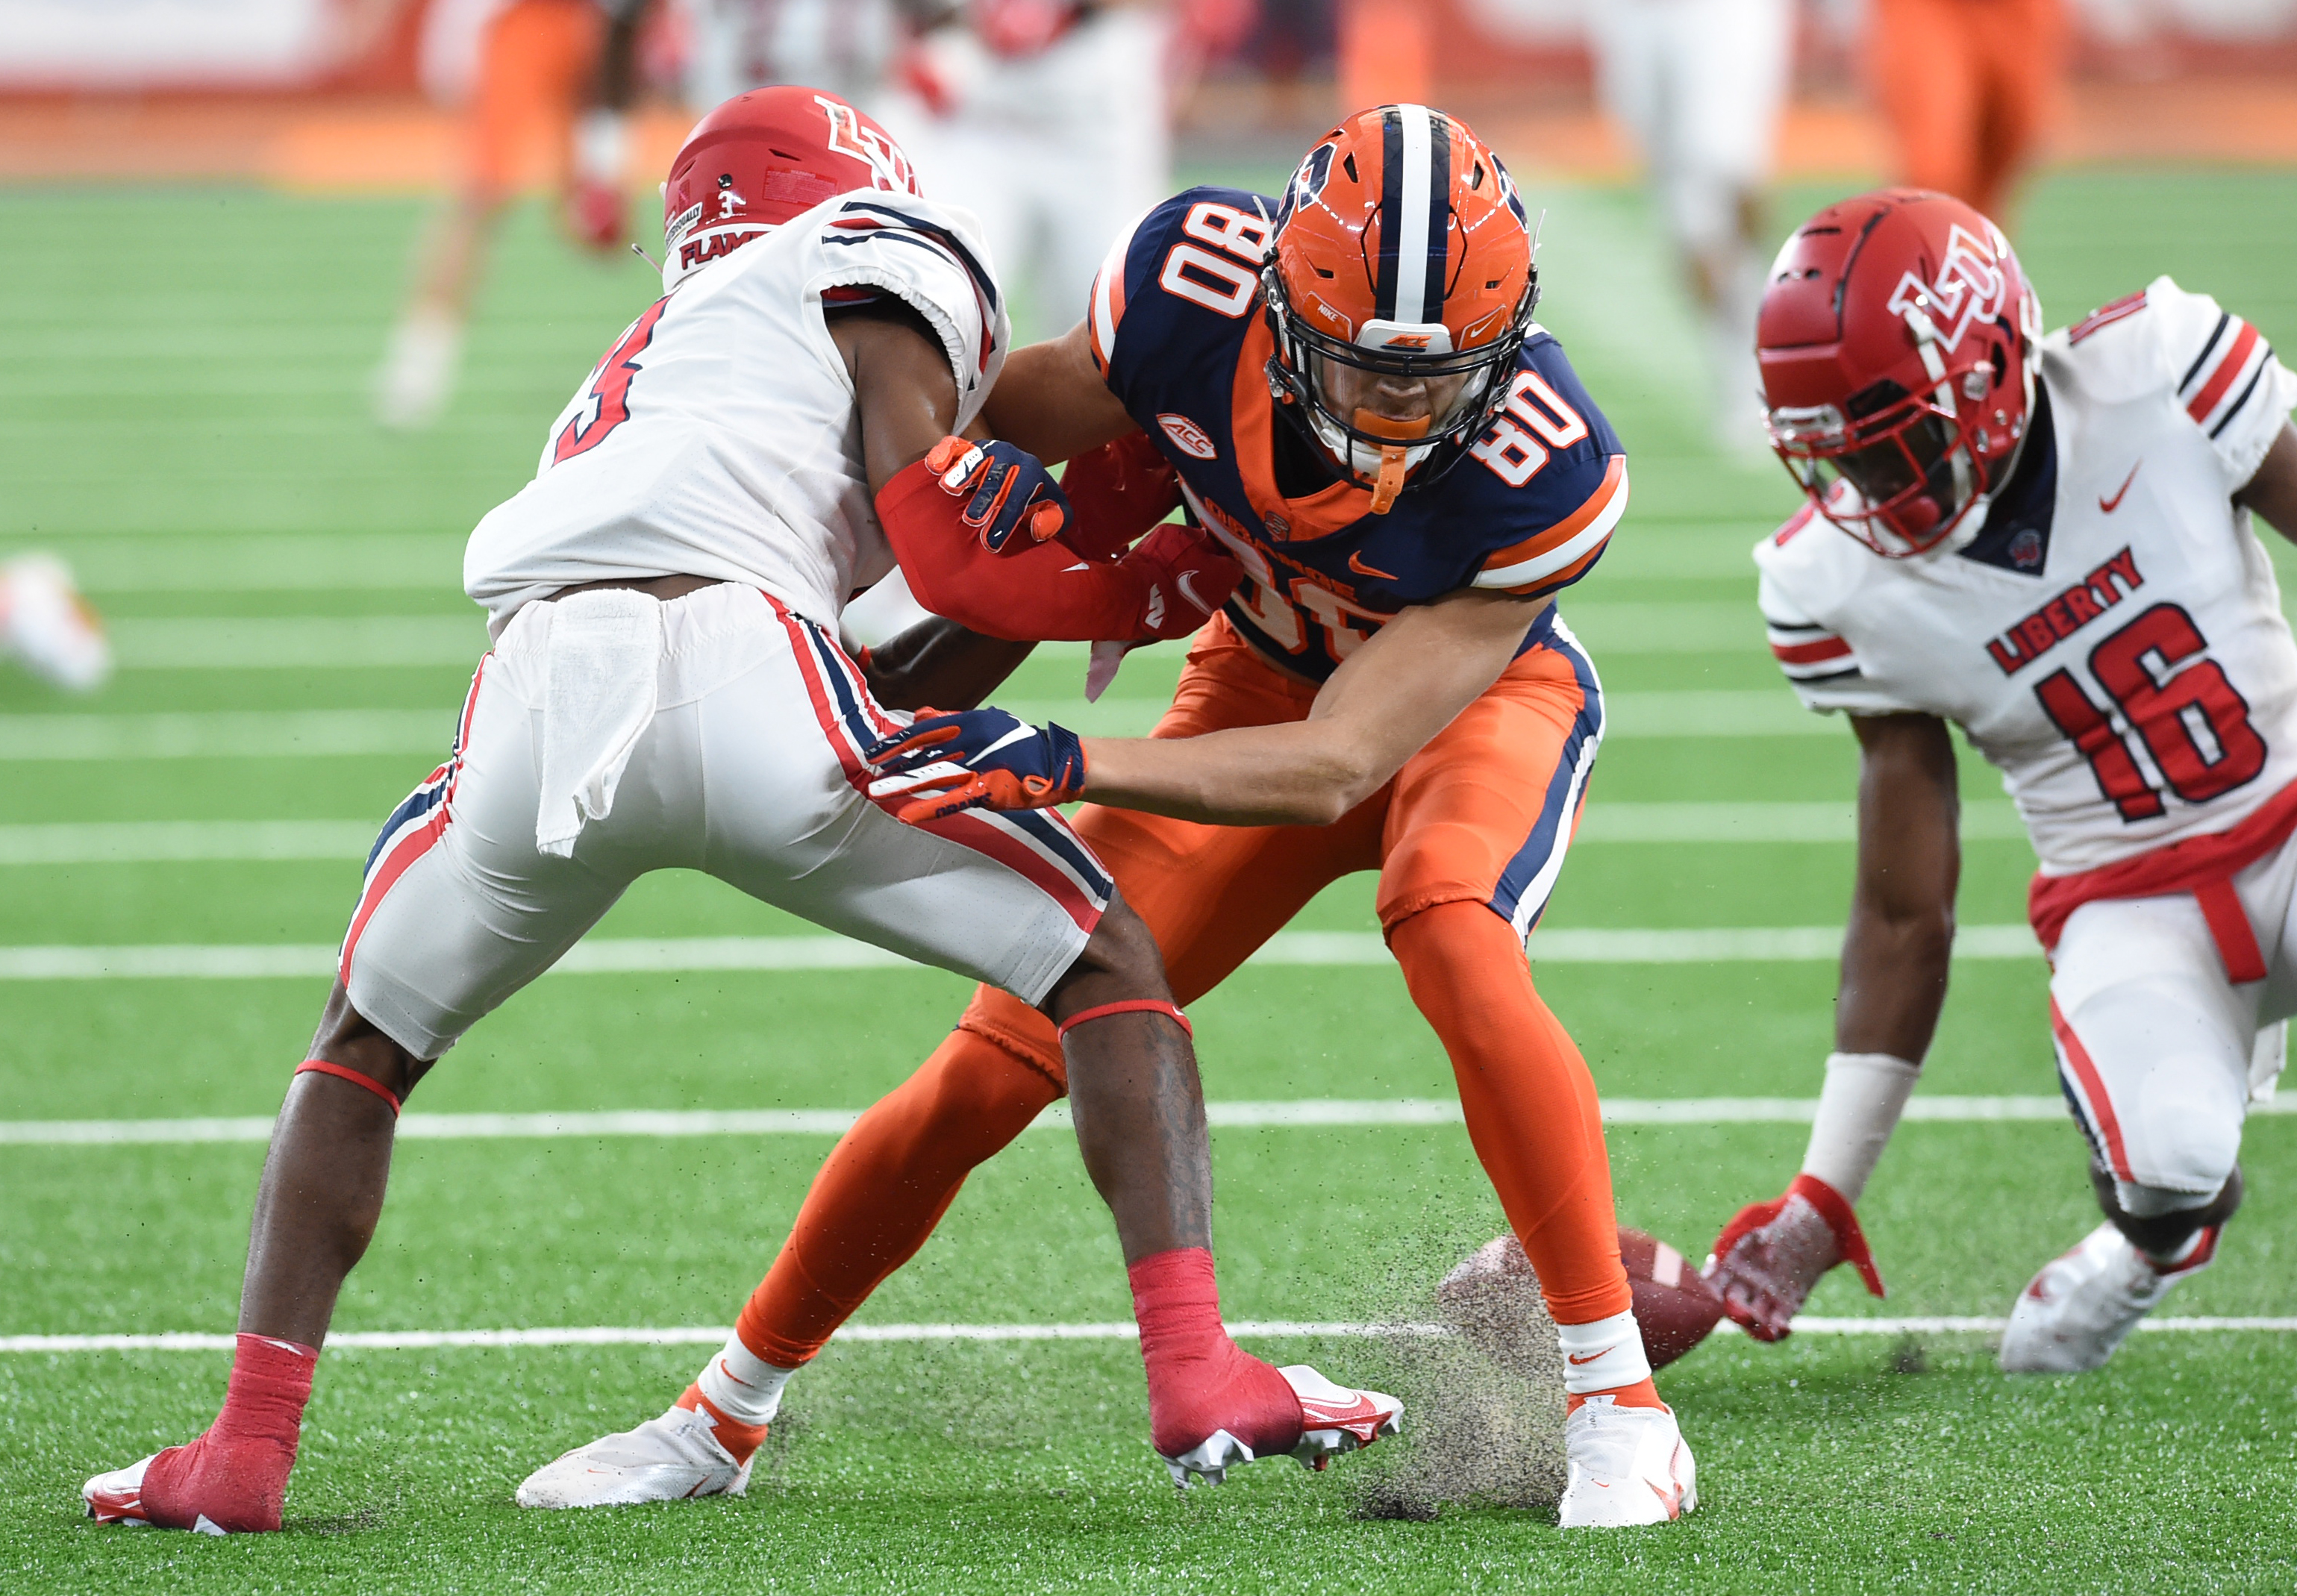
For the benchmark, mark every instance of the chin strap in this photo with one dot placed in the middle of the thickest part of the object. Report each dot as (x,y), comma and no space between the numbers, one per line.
(1394,458)
(1390,480)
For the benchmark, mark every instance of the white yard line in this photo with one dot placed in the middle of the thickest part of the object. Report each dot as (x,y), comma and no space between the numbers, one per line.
(1299,1114)
(187,1341)
(633,955)
(305,734)
(297,642)
(168,842)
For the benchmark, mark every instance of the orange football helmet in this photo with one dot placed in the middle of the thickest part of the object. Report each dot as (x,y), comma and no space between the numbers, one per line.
(1402,251)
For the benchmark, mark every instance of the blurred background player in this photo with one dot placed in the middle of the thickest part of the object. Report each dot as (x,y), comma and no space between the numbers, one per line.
(1698,87)
(545,85)
(1968,87)
(2047,542)
(48,627)
(843,45)
(1052,121)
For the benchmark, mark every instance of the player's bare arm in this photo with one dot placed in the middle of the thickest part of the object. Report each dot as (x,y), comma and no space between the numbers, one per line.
(1405,684)
(2272,493)
(1896,950)
(1053,402)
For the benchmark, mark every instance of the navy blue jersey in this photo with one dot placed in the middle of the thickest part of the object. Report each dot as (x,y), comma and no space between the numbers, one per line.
(1178,332)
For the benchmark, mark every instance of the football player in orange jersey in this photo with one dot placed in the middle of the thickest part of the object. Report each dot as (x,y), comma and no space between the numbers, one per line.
(1968,86)
(1346,385)
(552,80)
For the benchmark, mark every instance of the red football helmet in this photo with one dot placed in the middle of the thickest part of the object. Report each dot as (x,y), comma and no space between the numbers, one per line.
(762,158)
(1401,248)
(1898,340)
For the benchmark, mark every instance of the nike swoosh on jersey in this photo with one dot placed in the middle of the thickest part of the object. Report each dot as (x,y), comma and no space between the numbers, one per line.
(2110,505)
(1356,564)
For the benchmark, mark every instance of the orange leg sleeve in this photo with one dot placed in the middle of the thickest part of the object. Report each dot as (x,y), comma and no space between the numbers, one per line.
(1529,1101)
(2025,65)
(1927,80)
(886,1186)
(1210,893)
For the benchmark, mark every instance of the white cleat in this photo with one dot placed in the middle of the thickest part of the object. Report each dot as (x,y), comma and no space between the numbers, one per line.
(44,622)
(1334,1419)
(1626,1465)
(2083,1304)
(417,375)
(669,1458)
(118,1497)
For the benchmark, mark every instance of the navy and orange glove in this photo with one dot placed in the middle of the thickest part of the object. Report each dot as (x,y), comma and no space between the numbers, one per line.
(976,758)
(1006,491)
(1116,493)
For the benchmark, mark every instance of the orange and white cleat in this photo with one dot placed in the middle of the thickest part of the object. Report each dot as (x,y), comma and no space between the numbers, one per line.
(1334,1419)
(1626,1465)
(675,1457)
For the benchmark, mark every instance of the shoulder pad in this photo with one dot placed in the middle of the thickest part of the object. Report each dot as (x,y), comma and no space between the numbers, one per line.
(934,259)
(1561,476)
(2210,362)
(1197,254)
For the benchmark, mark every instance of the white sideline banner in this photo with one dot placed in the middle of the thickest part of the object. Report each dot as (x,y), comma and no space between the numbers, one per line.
(129,44)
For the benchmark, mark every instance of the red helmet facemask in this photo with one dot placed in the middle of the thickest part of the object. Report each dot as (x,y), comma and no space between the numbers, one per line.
(1897,340)
(763,158)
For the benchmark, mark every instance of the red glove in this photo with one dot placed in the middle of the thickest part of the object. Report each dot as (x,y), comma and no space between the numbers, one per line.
(593,215)
(1015,28)
(1116,493)
(1188,577)
(595,210)
(1043,593)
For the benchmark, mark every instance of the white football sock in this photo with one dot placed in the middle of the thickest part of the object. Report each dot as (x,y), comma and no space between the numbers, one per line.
(742,1385)
(1605,1356)
(1857,1109)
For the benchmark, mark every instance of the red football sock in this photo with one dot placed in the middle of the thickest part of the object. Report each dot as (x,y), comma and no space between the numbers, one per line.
(236,1475)
(1200,1380)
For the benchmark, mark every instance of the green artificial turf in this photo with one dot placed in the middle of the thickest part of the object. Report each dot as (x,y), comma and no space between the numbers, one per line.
(186,422)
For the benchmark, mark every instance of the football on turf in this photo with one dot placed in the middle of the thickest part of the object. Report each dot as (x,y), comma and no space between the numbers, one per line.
(1492,1298)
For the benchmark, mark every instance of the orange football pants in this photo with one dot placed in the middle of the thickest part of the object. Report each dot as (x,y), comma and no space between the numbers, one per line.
(534,68)
(1968,85)
(1458,837)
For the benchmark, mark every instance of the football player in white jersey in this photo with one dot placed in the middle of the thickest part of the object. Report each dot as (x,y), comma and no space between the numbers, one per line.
(666,690)
(2046,541)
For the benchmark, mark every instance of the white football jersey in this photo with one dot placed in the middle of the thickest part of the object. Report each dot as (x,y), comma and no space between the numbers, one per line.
(718,437)
(2124,661)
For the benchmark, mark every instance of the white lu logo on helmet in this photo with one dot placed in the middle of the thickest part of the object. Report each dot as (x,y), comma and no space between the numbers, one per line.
(1970,287)
(887,164)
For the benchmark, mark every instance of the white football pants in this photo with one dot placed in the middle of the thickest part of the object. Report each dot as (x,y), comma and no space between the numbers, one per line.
(2159,1052)
(735,751)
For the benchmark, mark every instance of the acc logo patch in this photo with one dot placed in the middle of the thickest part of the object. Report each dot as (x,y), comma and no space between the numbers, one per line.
(1187,436)
(1970,287)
